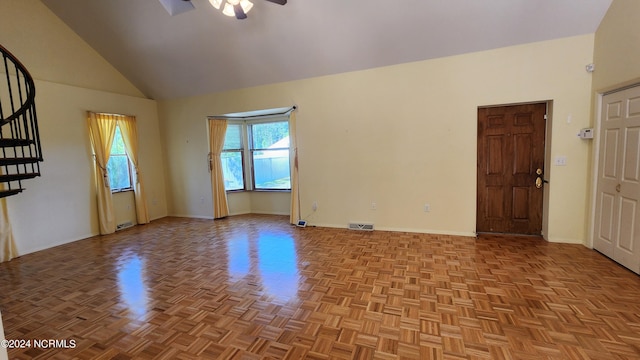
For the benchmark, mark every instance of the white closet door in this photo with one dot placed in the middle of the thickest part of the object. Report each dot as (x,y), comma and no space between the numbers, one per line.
(617,220)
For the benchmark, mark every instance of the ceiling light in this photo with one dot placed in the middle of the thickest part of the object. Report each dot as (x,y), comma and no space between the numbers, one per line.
(237,8)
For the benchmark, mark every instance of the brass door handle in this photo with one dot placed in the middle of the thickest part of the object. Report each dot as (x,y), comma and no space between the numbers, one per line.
(618,188)
(538,182)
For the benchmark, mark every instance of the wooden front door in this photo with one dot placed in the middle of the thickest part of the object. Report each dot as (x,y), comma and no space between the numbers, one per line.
(510,162)
(617,218)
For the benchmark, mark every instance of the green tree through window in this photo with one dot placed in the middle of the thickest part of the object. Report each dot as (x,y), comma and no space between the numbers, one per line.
(264,160)
(118,166)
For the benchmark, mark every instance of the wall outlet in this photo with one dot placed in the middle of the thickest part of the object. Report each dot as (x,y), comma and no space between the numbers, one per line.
(314,206)
(427,207)
(374,206)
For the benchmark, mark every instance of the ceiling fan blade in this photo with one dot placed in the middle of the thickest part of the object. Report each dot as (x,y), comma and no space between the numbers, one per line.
(239,12)
(175,7)
(279,2)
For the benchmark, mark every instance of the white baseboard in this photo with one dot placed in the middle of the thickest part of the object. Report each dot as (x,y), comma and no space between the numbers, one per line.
(192,216)
(3,350)
(57,243)
(270,213)
(409,230)
(566,241)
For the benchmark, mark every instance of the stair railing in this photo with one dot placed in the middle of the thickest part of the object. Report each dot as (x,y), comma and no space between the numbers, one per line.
(20,148)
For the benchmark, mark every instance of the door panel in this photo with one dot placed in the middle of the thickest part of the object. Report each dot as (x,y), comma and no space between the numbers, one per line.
(522,154)
(617,215)
(605,220)
(521,203)
(610,155)
(510,150)
(632,155)
(495,146)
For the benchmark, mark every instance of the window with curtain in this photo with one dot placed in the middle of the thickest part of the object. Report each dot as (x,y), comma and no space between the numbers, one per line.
(233,158)
(119,166)
(263,164)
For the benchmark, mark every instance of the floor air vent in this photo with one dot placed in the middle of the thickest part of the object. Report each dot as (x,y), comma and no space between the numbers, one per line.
(361,226)
(124,225)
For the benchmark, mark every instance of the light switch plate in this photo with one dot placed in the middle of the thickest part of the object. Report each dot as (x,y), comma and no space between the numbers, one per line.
(560,161)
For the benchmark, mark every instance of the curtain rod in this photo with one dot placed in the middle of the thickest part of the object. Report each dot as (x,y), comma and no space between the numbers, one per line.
(109,113)
(224,117)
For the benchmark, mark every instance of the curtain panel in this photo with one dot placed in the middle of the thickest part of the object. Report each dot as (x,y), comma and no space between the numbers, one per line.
(129,132)
(8,249)
(217,131)
(293,148)
(102,129)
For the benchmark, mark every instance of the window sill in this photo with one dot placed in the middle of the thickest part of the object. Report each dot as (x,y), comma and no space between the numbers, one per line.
(260,191)
(121,190)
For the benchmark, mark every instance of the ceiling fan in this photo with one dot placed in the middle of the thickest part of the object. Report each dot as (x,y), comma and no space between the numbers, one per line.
(237,8)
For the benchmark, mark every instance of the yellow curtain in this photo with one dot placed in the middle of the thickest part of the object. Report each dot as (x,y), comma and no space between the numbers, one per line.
(102,129)
(129,132)
(217,131)
(293,153)
(8,249)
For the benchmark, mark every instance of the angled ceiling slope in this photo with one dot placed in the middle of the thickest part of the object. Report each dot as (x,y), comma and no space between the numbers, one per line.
(203,51)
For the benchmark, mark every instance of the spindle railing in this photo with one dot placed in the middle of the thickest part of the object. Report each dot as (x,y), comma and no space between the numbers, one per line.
(20,149)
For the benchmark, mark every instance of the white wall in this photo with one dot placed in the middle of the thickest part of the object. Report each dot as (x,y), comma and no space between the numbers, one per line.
(403,136)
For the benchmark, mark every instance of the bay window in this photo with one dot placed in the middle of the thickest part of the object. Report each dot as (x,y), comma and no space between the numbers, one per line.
(256,155)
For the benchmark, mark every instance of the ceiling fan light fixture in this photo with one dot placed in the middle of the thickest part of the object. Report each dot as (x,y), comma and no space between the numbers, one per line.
(245,6)
(216,3)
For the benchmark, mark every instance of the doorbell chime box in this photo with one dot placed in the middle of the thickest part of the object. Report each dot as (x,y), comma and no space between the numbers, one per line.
(586,133)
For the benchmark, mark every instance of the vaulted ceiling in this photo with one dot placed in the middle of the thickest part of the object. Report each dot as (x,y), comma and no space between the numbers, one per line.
(202,51)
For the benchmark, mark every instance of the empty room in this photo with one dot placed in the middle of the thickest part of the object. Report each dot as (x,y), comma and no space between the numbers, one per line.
(272,179)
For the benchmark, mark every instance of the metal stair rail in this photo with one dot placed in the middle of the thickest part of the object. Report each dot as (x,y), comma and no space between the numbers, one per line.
(20,149)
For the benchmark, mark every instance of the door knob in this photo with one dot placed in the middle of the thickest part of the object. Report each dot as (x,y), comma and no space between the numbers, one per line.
(618,188)
(538,182)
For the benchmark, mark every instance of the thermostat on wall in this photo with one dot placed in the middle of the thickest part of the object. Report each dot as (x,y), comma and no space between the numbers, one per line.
(586,133)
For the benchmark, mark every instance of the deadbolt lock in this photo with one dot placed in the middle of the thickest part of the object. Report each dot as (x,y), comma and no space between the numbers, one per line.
(539,171)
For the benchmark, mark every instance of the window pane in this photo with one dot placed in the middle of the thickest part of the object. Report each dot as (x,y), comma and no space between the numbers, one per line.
(233,137)
(270,135)
(118,169)
(117,148)
(232,170)
(271,169)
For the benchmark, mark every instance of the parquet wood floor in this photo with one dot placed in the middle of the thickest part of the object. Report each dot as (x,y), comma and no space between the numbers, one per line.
(254,287)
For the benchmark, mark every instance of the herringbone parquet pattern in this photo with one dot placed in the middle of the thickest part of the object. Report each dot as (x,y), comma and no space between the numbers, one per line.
(254,287)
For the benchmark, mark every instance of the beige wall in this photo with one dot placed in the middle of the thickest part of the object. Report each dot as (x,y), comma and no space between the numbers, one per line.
(71,78)
(400,136)
(51,51)
(403,136)
(125,207)
(60,206)
(617,47)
